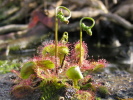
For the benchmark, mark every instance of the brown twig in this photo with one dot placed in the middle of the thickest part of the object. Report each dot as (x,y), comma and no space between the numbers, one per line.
(25,8)
(118,20)
(11,28)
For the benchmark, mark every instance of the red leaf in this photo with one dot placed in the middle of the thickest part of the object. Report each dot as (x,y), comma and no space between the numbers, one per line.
(38,16)
(34,21)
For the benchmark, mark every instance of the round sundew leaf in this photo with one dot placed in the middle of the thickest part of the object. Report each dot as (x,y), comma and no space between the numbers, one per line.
(45,64)
(77,52)
(20,91)
(27,70)
(74,73)
(49,49)
(98,67)
(63,50)
(77,48)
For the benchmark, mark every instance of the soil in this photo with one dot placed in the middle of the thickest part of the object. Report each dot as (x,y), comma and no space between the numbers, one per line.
(119,83)
(6,83)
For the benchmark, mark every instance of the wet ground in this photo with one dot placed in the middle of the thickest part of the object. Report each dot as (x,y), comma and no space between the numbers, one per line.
(119,83)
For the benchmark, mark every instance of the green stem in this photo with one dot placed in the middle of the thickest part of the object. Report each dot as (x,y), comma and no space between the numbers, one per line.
(80,62)
(75,83)
(56,31)
(56,40)
(81,28)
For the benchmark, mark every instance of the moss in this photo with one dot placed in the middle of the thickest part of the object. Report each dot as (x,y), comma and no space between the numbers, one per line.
(103,91)
(51,90)
(7,66)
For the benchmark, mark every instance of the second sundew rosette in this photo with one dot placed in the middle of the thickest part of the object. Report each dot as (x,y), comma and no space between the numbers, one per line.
(48,50)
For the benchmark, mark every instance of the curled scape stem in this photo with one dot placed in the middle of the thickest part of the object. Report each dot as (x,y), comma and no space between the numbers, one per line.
(59,15)
(64,38)
(83,27)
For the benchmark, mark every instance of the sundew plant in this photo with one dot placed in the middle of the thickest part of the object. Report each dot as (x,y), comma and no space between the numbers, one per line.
(61,69)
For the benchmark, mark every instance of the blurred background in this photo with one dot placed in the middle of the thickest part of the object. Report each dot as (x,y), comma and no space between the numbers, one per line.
(26,24)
